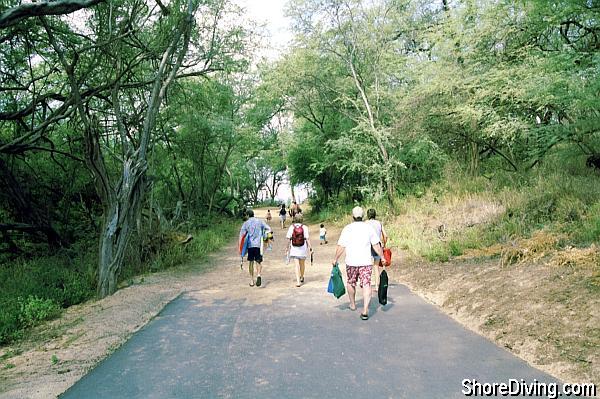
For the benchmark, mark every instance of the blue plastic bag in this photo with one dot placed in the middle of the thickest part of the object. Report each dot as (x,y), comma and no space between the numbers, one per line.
(336,283)
(330,285)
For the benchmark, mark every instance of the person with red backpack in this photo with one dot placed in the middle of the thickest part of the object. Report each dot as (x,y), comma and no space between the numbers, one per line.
(299,247)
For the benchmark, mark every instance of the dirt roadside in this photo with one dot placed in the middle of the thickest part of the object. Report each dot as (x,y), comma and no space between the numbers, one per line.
(548,316)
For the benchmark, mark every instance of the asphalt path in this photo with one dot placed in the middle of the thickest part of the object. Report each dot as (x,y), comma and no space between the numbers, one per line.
(279,341)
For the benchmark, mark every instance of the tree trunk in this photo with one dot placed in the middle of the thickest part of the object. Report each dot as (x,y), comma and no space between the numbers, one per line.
(217,181)
(119,221)
(113,243)
(474,158)
(390,188)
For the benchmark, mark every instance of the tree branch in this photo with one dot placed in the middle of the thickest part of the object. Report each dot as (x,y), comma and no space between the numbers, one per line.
(14,15)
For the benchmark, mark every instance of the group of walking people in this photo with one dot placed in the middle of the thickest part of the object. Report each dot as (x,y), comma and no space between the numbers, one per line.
(283,213)
(361,242)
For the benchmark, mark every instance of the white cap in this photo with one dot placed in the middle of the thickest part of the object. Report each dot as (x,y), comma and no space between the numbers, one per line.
(357,212)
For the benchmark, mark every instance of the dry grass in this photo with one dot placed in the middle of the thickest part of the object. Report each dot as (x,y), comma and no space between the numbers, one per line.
(543,244)
(578,257)
(452,214)
(529,249)
(487,252)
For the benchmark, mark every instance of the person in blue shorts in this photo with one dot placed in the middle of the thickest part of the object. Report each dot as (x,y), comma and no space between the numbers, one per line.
(255,228)
(322,235)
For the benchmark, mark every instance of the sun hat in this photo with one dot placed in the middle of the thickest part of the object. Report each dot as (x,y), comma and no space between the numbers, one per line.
(357,212)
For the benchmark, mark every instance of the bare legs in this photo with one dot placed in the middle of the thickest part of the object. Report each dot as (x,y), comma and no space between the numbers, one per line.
(366,298)
(300,267)
(376,273)
(258,269)
(251,271)
(366,291)
(351,296)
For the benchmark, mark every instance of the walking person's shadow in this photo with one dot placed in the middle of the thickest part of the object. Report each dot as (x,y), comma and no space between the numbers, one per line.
(374,306)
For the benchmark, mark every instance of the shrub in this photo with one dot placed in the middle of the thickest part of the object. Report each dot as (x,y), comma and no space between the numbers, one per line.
(33,309)
(10,326)
(35,289)
(437,253)
(455,248)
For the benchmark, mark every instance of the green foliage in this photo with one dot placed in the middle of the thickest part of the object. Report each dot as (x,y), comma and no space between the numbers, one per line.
(209,234)
(455,248)
(332,213)
(437,253)
(32,310)
(36,289)
(424,163)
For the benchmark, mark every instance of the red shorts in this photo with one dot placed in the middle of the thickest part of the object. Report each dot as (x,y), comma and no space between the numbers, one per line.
(354,272)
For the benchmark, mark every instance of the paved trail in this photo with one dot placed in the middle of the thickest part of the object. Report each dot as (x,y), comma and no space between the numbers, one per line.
(279,341)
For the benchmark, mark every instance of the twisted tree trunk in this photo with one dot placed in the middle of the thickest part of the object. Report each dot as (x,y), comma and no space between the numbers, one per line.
(124,204)
(122,201)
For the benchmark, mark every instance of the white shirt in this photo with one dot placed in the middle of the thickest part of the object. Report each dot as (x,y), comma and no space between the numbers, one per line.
(377,226)
(322,231)
(357,238)
(298,251)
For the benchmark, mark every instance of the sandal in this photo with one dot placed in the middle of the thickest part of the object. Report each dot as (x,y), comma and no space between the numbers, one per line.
(352,308)
(258,281)
(364,316)
(301,279)
(251,284)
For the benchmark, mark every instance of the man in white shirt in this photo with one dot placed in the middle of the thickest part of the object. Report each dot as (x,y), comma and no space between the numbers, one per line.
(356,240)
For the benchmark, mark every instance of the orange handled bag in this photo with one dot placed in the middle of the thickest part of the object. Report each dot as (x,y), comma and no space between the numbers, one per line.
(387,257)
(387,252)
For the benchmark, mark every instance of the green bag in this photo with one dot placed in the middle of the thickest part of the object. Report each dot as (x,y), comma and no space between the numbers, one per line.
(337,282)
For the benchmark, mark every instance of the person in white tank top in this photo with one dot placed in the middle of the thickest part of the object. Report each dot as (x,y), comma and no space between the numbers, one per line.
(380,231)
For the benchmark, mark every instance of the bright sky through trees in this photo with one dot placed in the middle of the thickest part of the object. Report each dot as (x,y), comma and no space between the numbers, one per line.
(271,14)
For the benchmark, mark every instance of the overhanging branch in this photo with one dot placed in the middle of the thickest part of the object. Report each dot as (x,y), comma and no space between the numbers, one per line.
(14,15)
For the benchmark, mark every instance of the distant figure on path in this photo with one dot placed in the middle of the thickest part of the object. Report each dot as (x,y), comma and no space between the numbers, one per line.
(295,209)
(380,231)
(356,241)
(269,217)
(322,235)
(282,215)
(299,246)
(255,228)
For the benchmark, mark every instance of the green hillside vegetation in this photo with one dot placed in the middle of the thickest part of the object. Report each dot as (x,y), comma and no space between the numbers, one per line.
(461,214)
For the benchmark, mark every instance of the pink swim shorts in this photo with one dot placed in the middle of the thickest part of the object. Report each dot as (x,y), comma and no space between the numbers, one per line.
(362,272)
